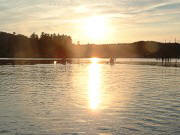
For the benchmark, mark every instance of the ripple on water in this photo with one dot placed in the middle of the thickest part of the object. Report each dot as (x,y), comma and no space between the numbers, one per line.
(132,99)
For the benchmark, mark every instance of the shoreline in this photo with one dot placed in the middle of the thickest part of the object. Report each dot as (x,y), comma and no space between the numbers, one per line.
(34,61)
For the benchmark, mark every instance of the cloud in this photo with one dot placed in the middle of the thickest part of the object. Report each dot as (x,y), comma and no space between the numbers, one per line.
(29,15)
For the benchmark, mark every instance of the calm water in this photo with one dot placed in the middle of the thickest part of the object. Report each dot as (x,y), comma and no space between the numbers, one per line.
(89,99)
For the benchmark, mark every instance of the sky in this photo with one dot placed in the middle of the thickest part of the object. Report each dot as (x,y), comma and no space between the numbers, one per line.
(94,21)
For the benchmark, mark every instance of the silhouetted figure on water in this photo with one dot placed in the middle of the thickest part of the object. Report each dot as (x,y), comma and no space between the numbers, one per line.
(112,61)
(65,61)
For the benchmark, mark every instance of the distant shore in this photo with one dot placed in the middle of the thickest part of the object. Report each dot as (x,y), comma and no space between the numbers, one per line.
(61,46)
(134,61)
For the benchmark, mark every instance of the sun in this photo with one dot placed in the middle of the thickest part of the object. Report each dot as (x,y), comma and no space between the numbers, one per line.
(95,28)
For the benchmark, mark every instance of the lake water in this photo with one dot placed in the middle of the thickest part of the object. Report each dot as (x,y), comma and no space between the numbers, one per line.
(89,99)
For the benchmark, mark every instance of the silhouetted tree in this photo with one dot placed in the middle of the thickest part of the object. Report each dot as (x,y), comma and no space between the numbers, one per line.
(60,46)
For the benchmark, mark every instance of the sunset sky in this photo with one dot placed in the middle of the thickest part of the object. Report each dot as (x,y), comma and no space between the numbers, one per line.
(95,21)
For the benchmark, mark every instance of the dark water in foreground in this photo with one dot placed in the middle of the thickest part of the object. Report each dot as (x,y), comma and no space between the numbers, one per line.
(93,99)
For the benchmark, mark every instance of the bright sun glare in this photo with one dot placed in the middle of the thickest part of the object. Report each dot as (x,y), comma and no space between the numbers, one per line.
(95,28)
(94,84)
(94,60)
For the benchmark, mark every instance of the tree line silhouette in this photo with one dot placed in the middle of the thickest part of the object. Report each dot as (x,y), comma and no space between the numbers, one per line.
(45,46)
(61,46)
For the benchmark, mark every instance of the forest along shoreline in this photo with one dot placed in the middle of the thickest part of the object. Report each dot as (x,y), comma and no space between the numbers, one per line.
(61,46)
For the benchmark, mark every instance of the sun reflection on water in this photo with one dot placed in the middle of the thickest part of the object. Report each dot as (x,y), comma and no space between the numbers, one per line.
(94,84)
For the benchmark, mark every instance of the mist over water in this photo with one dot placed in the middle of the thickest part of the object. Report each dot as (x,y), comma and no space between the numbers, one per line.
(89,98)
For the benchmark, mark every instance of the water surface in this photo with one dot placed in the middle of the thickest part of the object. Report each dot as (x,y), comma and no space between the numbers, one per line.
(89,98)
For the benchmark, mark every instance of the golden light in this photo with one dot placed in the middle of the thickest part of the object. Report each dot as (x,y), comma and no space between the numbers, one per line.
(94,60)
(81,9)
(95,28)
(94,84)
